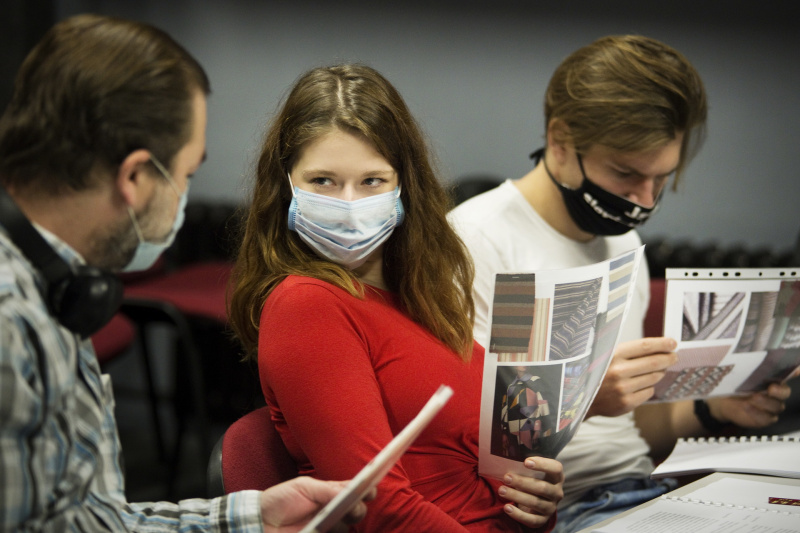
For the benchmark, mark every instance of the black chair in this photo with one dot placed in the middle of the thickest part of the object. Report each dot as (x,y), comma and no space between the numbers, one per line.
(188,398)
(472,185)
(187,295)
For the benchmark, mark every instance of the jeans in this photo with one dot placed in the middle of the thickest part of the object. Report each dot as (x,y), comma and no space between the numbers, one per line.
(606,501)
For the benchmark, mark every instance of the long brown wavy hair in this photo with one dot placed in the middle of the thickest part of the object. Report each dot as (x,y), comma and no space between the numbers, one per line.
(424,261)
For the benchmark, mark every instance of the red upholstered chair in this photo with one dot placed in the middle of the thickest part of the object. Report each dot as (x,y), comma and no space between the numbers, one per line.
(250,455)
(197,289)
(654,319)
(113,339)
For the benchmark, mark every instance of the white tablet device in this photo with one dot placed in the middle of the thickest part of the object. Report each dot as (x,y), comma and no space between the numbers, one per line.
(370,475)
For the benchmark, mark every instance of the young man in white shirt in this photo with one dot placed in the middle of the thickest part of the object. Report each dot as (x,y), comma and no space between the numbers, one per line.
(623,114)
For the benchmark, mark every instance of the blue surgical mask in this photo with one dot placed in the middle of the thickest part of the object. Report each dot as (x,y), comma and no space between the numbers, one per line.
(342,231)
(147,253)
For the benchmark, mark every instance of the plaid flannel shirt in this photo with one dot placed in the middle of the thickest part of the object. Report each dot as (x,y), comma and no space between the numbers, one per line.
(60,457)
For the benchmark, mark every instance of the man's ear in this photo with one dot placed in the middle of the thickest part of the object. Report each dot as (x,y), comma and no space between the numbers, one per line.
(558,140)
(132,180)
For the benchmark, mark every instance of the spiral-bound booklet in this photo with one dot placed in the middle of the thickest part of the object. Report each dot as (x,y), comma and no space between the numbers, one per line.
(728,502)
(776,455)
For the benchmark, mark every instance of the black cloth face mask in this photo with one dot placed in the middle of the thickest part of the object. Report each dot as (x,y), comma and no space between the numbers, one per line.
(597,211)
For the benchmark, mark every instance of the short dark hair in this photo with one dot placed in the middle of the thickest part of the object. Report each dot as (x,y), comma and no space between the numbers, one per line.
(93,90)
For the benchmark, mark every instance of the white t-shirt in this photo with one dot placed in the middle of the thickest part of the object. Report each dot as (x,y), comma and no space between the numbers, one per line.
(505,234)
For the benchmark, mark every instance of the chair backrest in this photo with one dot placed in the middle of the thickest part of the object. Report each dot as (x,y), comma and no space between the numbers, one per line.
(654,319)
(113,339)
(468,186)
(250,455)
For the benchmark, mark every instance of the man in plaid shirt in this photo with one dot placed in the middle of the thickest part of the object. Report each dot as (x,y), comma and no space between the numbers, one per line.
(106,124)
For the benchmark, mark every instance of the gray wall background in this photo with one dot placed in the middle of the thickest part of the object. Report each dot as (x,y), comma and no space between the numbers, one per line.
(474,74)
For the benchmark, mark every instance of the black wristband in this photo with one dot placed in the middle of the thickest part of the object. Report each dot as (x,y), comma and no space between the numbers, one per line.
(703,414)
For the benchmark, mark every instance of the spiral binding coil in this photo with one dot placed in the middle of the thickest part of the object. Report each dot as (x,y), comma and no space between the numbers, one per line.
(686,499)
(739,439)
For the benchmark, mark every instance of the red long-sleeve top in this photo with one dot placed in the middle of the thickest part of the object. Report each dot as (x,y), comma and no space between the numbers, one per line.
(343,375)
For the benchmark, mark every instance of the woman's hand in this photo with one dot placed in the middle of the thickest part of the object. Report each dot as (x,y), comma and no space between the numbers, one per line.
(534,499)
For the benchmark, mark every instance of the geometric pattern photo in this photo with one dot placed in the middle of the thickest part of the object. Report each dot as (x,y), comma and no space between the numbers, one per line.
(691,382)
(575,381)
(711,315)
(537,347)
(605,339)
(700,356)
(574,317)
(751,323)
(692,364)
(758,323)
(524,418)
(551,336)
(786,332)
(512,314)
(620,276)
(602,350)
(776,366)
(791,335)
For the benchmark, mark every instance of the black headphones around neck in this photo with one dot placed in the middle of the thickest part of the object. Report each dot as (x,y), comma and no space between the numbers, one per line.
(82,298)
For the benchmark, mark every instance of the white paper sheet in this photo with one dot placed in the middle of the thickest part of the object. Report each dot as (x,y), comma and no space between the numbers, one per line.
(727,505)
(553,334)
(738,330)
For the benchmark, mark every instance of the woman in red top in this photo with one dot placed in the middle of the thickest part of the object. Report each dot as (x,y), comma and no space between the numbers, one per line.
(355,295)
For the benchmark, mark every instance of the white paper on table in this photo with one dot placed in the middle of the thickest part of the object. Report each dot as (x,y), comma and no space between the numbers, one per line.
(731,505)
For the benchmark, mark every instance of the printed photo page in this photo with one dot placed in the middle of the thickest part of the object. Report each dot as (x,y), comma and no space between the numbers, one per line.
(553,333)
(738,330)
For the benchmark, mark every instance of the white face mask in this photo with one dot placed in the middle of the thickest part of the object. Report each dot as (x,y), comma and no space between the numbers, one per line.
(148,252)
(341,231)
